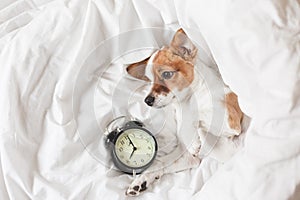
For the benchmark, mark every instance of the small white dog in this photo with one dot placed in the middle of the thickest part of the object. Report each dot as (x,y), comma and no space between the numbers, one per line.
(172,72)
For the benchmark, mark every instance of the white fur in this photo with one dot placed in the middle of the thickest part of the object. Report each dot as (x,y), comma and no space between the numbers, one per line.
(148,69)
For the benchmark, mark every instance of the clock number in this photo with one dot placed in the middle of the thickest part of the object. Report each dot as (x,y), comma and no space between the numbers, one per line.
(149,147)
(135,162)
(122,142)
(121,149)
(142,160)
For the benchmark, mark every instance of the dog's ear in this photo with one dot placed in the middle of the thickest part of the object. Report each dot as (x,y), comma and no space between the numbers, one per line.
(137,70)
(183,46)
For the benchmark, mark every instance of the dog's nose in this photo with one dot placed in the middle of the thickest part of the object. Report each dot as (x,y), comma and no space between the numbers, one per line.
(149,100)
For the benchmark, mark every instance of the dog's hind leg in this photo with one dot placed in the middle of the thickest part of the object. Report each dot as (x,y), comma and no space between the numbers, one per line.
(234,115)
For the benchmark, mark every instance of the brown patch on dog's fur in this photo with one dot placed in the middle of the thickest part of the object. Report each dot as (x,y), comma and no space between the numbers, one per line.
(137,70)
(165,60)
(160,89)
(234,111)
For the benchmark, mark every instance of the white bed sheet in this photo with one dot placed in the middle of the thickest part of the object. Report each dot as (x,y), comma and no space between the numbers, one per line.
(44,45)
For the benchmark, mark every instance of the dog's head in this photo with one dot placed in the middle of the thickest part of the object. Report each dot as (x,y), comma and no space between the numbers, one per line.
(170,70)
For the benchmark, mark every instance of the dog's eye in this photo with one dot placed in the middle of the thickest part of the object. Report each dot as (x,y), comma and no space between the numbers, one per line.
(167,74)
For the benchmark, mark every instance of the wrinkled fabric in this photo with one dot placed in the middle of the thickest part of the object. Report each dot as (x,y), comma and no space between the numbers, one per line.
(48,147)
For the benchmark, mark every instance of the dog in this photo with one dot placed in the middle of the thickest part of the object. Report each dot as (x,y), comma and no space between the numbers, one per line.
(172,72)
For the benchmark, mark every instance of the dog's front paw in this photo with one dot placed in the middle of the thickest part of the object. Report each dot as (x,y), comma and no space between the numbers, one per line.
(142,182)
(136,188)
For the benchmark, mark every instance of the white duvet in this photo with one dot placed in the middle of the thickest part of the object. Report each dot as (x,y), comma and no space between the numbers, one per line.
(50,64)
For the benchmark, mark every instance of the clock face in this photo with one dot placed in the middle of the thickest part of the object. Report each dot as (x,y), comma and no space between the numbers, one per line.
(135,148)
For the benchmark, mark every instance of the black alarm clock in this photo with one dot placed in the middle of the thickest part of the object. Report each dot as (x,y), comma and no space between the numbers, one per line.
(133,147)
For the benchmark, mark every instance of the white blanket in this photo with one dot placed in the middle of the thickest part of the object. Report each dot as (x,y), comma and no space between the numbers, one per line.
(50,88)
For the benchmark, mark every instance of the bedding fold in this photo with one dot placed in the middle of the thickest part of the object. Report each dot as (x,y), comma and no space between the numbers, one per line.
(45,45)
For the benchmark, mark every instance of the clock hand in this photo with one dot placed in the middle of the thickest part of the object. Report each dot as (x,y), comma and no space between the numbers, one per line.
(130,142)
(134,149)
